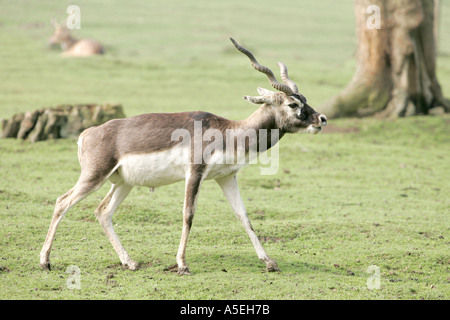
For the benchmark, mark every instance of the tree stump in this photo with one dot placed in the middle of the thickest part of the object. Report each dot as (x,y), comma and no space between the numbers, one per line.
(59,122)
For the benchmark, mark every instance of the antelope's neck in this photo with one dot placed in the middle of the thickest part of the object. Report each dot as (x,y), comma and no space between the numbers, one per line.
(263,121)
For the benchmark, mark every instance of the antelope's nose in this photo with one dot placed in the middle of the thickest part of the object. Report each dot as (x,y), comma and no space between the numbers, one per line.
(323,120)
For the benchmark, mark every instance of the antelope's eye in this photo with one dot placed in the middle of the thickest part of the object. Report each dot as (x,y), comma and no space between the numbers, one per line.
(293,105)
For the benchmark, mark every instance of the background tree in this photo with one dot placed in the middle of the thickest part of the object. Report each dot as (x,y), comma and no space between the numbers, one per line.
(396,63)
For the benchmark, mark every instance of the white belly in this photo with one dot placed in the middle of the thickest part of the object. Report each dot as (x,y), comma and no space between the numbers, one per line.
(167,167)
(154,169)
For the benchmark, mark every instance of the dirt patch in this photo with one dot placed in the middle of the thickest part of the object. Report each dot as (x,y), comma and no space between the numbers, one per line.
(172,268)
(109,281)
(4,269)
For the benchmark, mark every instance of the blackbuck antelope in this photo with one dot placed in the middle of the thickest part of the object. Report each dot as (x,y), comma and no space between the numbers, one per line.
(73,47)
(151,150)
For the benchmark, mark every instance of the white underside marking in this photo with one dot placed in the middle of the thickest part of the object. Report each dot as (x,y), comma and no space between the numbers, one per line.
(80,144)
(154,169)
(166,167)
(80,141)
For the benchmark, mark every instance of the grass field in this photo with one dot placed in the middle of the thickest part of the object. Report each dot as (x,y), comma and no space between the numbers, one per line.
(363,193)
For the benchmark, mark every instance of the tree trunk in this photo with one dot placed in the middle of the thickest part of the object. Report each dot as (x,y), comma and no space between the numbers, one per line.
(396,62)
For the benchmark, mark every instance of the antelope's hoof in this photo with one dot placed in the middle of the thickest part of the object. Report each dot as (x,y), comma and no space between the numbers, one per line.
(132,265)
(184,271)
(272,266)
(45,265)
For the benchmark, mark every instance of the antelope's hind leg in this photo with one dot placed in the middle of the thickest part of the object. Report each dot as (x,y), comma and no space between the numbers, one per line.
(104,213)
(81,190)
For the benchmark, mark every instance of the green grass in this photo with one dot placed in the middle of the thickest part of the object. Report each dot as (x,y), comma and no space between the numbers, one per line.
(365,192)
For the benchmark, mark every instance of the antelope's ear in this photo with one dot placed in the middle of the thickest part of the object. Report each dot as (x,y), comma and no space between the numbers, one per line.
(258,99)
(264,92)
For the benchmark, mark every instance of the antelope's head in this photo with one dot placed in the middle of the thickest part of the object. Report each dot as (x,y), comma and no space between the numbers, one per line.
(61,35)
(291,110)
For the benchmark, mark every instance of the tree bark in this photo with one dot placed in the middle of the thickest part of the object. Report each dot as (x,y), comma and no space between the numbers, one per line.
(396,63)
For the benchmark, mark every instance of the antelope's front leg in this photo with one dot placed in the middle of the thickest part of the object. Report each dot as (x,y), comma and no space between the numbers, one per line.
(193,183)
(230,189)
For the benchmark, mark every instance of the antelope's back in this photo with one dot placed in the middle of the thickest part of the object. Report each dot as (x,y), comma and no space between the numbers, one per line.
(84,48)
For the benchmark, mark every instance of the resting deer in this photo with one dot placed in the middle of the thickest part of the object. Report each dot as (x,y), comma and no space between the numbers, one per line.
(73,47)
(145,150)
